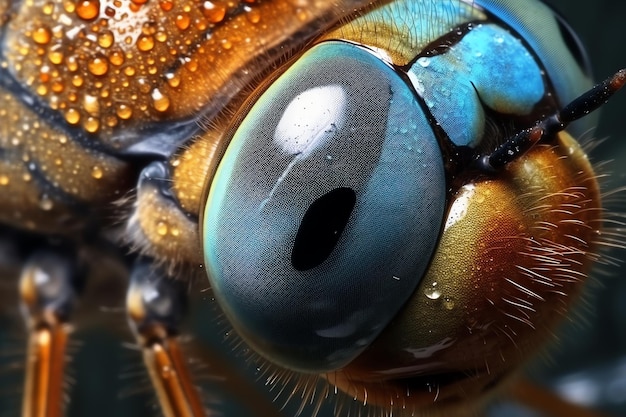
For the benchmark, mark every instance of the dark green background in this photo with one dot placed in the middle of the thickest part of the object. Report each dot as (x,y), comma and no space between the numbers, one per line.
(597,350)
(105,370)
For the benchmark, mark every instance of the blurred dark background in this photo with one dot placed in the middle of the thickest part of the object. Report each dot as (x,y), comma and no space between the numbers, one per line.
(589,366)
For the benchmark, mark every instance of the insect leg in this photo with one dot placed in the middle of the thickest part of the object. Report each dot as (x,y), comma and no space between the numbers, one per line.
(48,287)
(158,227)
(549,403)
(156,305)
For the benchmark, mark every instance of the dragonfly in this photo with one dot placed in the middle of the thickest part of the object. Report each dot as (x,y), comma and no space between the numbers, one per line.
(110,113)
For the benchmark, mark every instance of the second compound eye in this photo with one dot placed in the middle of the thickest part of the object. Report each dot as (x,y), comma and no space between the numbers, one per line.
(325,210)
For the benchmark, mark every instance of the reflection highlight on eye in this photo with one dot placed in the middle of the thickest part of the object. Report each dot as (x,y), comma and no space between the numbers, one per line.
(332,188)
(311,119)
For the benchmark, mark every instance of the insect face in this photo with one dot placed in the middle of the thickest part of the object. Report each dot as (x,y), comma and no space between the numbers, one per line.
(387,199)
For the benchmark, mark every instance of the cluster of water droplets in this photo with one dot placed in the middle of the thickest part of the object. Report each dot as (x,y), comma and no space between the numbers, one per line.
(104,62)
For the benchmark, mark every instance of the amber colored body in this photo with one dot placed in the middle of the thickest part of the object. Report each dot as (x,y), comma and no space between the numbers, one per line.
(509,264)
(110,75)
(505,269)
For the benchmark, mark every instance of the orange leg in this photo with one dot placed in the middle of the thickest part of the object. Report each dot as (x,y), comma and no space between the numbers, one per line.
(547,402)
(43,393)
(171,379)
(47,294)
(156,304)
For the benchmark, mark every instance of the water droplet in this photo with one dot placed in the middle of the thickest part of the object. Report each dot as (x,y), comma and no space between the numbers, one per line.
(77,80)
(302,14)
(42,90)
(55,57)
(88,9)
(253,15)
(227,44)
(201,26)
(161,36)
(106,39)
(45,203)
(69,6)
(116,58)
(71,63)
(124,112)
(96,172)
(159,101)
(42,35)
(91,125)
(145,43)
(173,79)
(183,21)
(448,303)
(98,65)
(91,104)
(432,291)
(72,116)
(166,5)
(213,11)
(57,87)
(162,229)
(144,85)
(48,8)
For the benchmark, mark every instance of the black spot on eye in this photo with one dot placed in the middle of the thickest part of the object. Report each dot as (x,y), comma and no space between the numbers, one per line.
(321,228)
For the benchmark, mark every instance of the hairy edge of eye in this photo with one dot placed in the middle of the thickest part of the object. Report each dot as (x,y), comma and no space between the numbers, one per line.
(321,228)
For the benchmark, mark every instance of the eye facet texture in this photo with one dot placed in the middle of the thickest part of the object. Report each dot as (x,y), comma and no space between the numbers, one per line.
(457,85)
(325,210)
(540,28)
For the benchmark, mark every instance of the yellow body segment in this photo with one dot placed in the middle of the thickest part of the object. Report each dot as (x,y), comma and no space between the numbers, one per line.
(512,258)
(96,92)
(49,179)
(108,64)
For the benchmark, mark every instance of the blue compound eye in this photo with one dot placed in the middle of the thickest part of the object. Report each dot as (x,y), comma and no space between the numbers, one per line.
(325,210)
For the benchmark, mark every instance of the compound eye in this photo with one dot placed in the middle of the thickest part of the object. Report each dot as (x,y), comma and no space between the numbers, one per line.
(573,43)
(325,210)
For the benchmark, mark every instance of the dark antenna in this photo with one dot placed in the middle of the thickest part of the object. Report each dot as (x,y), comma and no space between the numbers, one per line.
(520,143)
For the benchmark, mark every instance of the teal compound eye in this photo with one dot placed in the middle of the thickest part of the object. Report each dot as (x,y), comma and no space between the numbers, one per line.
(325,210)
